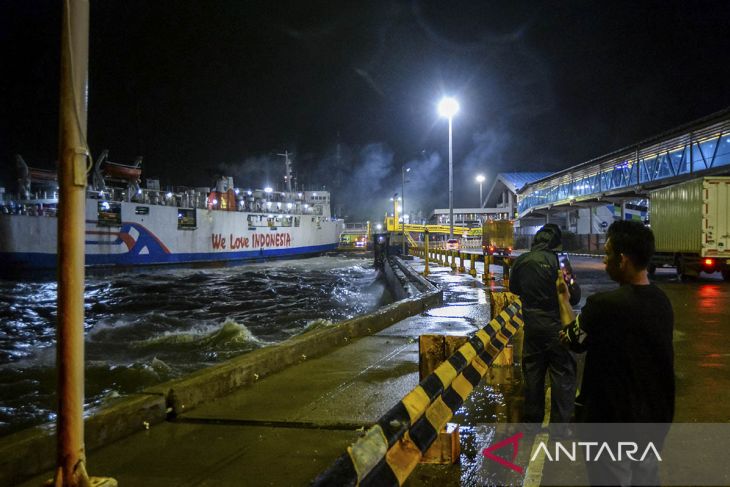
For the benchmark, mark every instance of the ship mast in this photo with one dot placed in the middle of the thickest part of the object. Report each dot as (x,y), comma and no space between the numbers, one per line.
(288,174)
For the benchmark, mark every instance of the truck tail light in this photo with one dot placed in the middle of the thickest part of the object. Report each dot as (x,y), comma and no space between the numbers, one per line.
(709,262)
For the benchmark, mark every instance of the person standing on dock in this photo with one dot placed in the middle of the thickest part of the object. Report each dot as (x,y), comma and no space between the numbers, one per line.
(533,280)
(629,368)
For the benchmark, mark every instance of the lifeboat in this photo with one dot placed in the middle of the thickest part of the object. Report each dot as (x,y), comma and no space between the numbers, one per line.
(122,171)
(42,174)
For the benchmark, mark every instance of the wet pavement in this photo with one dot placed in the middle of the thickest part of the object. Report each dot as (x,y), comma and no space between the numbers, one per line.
(290,426)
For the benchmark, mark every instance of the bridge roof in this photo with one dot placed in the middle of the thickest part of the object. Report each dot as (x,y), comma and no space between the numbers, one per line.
(512,181)
(516,180)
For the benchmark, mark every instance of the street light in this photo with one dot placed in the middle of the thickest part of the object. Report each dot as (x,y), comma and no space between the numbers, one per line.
(448,107)
(480,179)
(403,171)
(395,200)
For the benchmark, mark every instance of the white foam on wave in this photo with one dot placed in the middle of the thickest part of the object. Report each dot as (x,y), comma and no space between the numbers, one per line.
(224,336)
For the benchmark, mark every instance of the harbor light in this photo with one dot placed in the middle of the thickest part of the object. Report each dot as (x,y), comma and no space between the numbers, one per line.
(268,189)
(448,107)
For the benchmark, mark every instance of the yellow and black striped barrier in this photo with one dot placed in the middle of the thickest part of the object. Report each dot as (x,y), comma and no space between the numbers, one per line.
(389,451)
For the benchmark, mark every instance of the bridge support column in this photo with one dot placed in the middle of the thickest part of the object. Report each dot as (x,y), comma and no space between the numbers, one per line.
(453,260)
(425,253)
(461,261)
(473,267)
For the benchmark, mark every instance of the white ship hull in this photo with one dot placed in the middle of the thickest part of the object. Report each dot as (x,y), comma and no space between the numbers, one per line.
(154,234)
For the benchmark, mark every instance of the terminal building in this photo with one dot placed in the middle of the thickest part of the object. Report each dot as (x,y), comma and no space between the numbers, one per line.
(500,202)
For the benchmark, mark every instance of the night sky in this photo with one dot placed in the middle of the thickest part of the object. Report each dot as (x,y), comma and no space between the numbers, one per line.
(204,88)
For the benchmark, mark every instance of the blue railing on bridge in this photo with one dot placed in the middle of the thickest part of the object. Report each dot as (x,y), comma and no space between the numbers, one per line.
(698,150)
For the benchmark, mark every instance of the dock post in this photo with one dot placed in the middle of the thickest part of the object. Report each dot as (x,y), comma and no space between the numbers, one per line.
(486,276)
(432,351)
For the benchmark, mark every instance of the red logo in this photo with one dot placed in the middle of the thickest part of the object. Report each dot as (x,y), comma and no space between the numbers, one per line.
(514,441)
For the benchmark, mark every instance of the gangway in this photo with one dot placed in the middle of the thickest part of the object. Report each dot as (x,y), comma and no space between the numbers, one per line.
(433,229)
(700,148)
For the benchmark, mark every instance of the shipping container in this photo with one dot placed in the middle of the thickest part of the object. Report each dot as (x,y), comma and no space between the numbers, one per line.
(498,238)
(691,225)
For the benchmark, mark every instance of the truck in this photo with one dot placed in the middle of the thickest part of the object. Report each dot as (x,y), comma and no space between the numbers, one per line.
(498,239)
(691,225)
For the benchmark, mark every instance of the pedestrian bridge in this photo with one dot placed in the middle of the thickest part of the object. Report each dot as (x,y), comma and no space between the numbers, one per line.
(700,148)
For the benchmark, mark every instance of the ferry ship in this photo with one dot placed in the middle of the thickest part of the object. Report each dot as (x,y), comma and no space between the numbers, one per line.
(128,225)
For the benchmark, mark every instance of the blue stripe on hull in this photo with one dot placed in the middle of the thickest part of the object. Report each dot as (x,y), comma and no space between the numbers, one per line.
(35,261)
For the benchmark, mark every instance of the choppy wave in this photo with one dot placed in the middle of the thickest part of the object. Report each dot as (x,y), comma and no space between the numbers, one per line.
(146,327)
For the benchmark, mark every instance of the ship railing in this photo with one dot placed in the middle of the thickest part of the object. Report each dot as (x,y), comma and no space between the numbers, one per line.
(200,200)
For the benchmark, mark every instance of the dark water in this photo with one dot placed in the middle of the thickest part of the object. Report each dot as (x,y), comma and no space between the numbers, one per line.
(143,328)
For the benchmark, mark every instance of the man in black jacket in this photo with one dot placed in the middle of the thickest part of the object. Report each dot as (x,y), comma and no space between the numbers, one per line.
(533,280)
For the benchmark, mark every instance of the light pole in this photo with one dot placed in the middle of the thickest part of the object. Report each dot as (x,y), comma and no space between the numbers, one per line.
(403,171)
(480,179)
(394,199)
(448,107)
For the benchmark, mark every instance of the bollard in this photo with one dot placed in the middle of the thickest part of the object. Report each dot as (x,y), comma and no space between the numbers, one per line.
(486,276)
(461,261)
(473,266)
(453,260)
(505,271)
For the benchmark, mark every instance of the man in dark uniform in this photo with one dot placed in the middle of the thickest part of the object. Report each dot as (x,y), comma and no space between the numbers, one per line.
(533,279)
(629,367)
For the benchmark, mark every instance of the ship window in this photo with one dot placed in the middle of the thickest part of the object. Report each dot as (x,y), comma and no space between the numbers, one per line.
(142,210)
(186,218)
(109,213)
